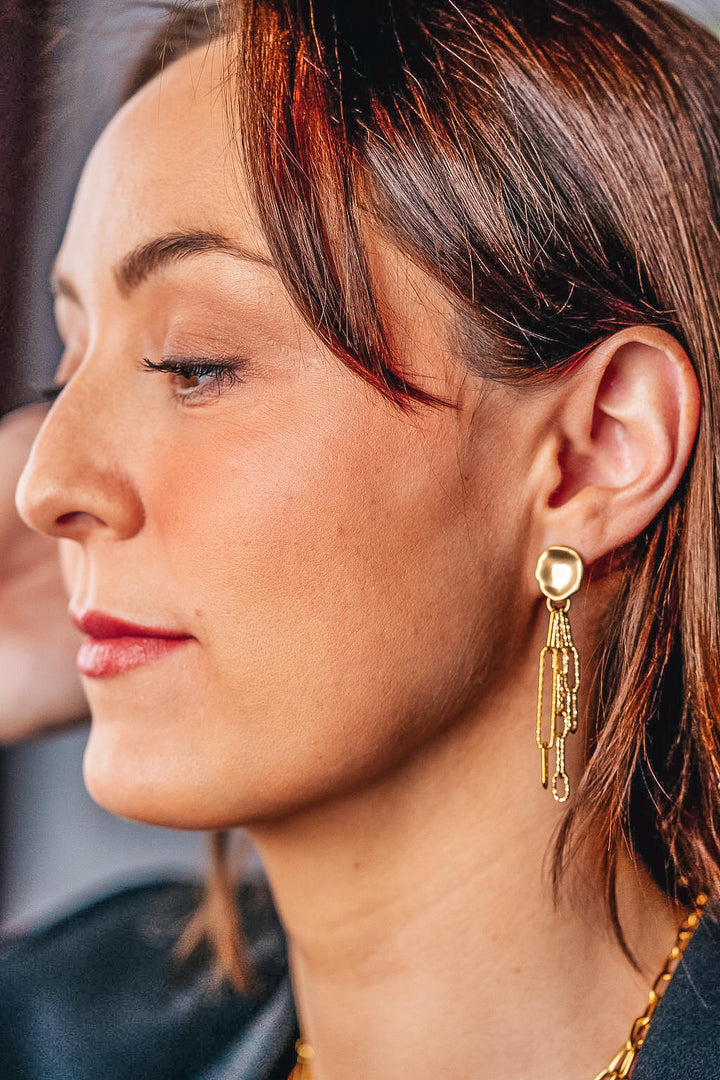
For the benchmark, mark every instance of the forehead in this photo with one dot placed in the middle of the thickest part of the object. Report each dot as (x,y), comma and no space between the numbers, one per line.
(166,163)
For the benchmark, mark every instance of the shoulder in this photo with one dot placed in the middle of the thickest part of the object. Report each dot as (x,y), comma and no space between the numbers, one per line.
(101,993)
(683,1042)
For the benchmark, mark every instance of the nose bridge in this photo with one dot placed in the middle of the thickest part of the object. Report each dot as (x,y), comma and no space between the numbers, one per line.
(78,479)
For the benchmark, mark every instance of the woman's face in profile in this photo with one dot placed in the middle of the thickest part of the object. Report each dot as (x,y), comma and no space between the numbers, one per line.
(330,566)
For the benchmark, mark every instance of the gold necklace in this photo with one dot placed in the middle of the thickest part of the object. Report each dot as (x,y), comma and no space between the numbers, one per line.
(621,1065)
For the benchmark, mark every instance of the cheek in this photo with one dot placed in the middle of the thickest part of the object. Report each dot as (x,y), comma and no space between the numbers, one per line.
(332,552)
(325,537)
(332,583)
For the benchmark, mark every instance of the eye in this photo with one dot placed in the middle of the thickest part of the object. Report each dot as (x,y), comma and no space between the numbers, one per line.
(191,378)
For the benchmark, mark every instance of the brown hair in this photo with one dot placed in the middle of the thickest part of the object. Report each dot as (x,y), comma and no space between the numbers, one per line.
(554,166)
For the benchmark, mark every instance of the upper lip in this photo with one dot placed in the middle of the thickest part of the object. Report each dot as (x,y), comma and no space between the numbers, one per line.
(97,624)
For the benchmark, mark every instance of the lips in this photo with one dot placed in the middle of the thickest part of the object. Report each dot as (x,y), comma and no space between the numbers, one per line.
(115,646)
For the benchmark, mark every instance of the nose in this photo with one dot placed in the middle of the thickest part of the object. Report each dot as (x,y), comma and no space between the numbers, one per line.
(75,483)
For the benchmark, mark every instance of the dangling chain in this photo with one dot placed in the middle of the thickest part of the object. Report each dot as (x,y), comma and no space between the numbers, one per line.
(563,701)
(622,1064)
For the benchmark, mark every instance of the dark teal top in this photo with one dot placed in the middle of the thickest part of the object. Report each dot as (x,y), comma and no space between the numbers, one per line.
(100,996)
(683,1041)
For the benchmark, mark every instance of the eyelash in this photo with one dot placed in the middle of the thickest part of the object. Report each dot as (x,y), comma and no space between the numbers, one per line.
(223,373)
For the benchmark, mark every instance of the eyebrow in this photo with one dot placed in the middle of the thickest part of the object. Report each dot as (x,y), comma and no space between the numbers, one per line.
(146,259)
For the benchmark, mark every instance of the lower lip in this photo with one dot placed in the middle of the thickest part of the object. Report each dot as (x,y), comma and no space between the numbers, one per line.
(99,658)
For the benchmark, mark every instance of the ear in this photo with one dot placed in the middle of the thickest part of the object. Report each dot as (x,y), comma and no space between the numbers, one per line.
(623,429)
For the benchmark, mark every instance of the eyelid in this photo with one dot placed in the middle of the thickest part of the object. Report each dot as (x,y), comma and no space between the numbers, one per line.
(183,363)
(225,372)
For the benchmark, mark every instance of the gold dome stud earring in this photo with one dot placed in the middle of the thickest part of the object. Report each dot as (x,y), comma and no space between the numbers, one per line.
(559,573)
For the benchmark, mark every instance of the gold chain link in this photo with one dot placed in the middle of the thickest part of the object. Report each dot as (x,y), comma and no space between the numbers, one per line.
(621,1065)
(560,651)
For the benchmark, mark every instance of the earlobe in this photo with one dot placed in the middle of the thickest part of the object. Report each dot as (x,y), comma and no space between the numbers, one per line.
(624,434)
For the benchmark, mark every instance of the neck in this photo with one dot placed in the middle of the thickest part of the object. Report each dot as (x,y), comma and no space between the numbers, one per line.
(424,936)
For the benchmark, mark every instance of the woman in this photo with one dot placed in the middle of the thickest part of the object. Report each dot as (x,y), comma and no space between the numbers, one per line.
(386,332)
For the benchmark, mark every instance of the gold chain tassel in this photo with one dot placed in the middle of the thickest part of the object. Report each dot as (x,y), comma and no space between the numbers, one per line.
(559,573)
(565,662)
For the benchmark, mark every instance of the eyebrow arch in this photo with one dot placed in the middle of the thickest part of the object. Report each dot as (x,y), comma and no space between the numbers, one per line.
(146,259)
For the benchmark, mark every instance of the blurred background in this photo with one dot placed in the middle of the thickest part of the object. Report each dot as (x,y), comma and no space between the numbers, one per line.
(62,68)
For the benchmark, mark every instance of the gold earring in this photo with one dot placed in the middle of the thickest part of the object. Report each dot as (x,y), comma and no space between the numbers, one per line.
(559,572)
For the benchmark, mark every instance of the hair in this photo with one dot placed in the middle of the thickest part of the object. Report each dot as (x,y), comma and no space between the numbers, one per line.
(553,167)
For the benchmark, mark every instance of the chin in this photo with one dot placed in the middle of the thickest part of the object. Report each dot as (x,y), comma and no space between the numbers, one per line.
(139,779)
(134,787)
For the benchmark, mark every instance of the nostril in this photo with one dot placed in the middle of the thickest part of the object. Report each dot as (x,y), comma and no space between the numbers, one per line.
(76,522)
(67,519)
(60,494)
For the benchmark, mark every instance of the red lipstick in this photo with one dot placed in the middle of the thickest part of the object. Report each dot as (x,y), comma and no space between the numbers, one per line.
(116,646)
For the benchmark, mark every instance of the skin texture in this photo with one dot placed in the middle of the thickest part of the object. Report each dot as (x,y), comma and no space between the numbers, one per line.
(358,584)
(302,529)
